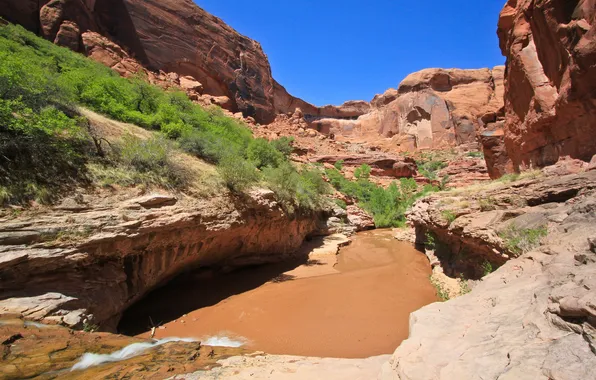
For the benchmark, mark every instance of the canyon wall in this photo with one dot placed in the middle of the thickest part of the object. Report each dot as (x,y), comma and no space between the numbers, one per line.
(550,81)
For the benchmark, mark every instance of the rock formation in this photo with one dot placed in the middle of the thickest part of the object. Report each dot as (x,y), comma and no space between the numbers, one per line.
(121,251)
(550,81)
(431,109)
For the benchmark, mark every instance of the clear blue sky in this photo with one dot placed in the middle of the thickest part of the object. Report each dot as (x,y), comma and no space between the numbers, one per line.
(330,51)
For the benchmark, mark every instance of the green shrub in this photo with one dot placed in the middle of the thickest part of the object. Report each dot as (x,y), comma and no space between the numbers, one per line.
(339,165)
(139,162)
(475,154)
(362,172)
(430,240)
(448,215)
(145,155)
(442,292)
(284,145)
(237,173)
(388,206)
(521,240)
(262,154)
(487,268)
(303,188)
(430,169)
(339,202)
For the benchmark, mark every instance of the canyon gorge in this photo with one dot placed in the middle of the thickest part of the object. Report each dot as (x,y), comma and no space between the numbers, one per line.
(490,275)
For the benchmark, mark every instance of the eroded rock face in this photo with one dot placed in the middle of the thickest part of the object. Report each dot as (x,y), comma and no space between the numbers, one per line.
(431,109)
(550,83)
(534,317)
(53,272)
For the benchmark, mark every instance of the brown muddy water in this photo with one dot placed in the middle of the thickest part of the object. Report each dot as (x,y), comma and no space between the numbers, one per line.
(353,305)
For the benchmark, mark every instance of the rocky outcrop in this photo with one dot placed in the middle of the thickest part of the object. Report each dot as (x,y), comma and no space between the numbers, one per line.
(431,109)
(88,263)
(534,317)
(550,81)
(31,350)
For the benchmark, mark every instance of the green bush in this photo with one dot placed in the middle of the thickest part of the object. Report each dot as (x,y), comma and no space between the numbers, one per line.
(475,154)
(139,162)
(448,215)
(238,174)
(429,169)
(388,206)
(339,165)
(284,145)
(362,172)
(262,154)
(487,268)
(339,202)
(521,240)
(304,188)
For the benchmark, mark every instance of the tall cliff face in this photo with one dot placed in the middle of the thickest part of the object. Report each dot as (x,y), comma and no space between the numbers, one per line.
(173,36)
(550,81)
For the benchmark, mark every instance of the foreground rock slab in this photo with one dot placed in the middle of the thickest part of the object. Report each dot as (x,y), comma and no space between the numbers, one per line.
(290,368)
(533,318)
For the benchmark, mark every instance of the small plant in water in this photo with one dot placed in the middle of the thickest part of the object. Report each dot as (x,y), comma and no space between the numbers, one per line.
(521,240)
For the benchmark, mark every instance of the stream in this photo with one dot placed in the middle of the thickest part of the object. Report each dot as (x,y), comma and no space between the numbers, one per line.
(352,305)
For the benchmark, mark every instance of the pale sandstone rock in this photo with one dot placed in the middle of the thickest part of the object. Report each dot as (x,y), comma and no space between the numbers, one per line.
(533,318)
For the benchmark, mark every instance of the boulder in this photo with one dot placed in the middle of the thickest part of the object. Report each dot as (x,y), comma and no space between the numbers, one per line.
(189,83)
(69,36)
(360,218)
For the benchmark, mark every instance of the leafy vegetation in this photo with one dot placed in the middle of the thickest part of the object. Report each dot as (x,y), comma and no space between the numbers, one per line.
(339,165)
(442,292)
(387,205)
(430,241)
(448,215)
(475,154)
(521,240)
(46,147)
(487,268)
(429,167)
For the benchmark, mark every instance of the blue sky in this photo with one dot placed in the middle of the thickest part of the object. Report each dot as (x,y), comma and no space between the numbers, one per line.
(330,51)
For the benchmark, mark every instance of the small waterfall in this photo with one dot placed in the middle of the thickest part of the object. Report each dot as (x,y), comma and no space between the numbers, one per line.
(90,360)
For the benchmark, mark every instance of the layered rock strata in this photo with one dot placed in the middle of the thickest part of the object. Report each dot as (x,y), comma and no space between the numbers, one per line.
(86,263)
(550,81)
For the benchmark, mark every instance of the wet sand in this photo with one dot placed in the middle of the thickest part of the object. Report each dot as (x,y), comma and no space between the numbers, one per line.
(358,308)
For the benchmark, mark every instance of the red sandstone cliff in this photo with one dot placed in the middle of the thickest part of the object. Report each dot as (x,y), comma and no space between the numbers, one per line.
(550,81)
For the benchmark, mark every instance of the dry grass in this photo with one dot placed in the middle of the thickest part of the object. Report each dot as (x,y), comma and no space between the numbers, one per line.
(200,178)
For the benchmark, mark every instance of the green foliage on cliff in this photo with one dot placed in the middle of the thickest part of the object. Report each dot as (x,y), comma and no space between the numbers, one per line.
(387,205)
(46,146)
